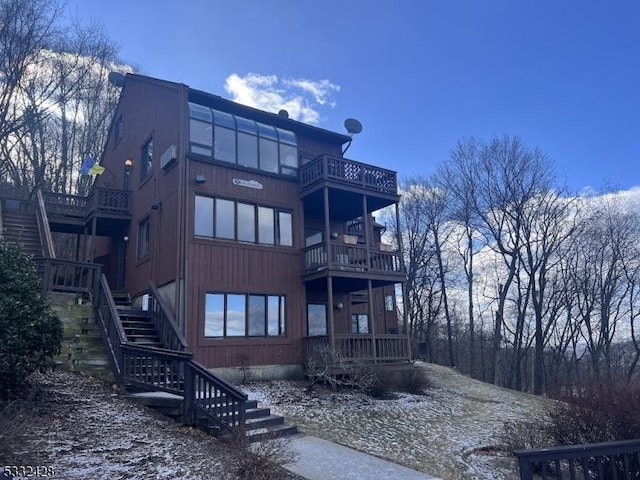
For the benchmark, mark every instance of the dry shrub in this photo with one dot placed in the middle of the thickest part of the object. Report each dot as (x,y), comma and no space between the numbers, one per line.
(413,380)
(525,435)
(263,460)
(601,410)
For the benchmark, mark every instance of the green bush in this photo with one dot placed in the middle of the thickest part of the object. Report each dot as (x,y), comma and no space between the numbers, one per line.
(30,333)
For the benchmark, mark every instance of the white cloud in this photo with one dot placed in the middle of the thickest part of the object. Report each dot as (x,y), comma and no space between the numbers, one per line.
(302,98)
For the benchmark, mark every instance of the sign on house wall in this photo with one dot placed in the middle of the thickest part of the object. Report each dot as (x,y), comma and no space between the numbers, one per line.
(247,183)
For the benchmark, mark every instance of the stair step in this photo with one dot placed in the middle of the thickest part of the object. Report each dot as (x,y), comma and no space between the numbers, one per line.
(275,431)
(256,413)
(140,330)
(263,422)
(133,313)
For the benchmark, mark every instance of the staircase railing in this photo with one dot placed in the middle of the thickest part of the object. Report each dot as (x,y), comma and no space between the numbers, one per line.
(43,227)
(68,276)
(164,321)
(211,396)
(110,327)
(172,371)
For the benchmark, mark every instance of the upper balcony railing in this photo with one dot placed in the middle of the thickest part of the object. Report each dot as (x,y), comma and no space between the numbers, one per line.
(354,258)
(348,172)
(100,200)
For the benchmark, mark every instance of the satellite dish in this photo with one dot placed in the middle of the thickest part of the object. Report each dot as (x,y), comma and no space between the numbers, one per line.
(353,126)
(116,79)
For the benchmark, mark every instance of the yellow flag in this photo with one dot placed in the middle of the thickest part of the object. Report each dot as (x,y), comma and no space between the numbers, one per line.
(96,170)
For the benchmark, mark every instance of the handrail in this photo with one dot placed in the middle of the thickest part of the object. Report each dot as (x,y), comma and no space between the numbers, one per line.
(69,276)
(1,225)
(43,227)
(596,461)
(343,170)
(164,321)
(110,327)
(167,369)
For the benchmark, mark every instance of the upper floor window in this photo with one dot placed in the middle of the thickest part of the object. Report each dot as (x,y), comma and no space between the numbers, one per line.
(118,130)
(146,160)
(241,141)
(245,222)
(144,233)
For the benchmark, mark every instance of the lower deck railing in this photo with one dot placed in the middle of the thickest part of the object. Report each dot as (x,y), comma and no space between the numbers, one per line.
(597,461)
(381,348)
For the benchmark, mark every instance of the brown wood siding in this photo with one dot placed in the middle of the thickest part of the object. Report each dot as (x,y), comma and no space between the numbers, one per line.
(234,267)
(148,108)
(312,148)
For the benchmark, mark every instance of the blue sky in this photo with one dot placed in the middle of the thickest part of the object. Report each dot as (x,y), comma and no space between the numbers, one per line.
(418,74)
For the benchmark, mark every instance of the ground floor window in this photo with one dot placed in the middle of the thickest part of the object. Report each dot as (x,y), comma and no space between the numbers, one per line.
(360,323)
(317,319)
(244,315)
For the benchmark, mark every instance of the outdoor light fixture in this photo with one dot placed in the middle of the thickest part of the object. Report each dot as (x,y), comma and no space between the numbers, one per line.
(339,305)
(199,179)
(128,162)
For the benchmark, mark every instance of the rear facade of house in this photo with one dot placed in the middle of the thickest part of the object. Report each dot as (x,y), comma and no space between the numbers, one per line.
(255,228)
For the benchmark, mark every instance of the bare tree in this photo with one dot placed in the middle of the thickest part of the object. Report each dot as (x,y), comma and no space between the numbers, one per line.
(458,178)
(57,103)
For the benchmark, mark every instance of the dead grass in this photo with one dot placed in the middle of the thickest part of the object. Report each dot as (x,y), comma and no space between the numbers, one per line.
(448,432)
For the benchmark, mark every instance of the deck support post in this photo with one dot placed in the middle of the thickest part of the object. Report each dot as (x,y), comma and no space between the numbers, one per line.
(372,322)
(332,330)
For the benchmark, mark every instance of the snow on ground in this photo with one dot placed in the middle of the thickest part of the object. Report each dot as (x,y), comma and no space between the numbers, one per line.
(84,431)
(443,433)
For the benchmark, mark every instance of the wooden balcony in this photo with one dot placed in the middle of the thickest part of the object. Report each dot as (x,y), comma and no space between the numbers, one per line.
(365,348)
(352,260)
(349,173)
(70,213)
(100,200)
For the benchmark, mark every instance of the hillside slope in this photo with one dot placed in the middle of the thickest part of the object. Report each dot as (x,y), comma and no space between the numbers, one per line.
(448,432)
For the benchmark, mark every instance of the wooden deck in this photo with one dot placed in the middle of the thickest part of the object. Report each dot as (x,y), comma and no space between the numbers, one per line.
(365,348)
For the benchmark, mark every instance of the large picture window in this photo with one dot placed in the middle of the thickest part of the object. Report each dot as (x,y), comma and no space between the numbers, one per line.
(241,141)
(229,315)
(245,222)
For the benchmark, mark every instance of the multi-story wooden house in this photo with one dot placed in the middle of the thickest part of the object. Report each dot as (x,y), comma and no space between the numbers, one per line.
(257,232)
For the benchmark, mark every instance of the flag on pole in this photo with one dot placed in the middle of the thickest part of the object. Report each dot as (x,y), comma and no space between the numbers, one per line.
(87,163)
(96,170)
(90,167)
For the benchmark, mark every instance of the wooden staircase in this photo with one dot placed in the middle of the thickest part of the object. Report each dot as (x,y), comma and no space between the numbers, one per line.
(21,228)
(259,422)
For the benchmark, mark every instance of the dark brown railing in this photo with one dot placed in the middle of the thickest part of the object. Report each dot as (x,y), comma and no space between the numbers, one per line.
(388,348)
(348,172)
(351,257)
(218,400)
(68,276)
(43,227)
(100,200)
(66,205)
(172,371)
(597,461)
(116,202)
(164,321)
(159,368)
(110,327)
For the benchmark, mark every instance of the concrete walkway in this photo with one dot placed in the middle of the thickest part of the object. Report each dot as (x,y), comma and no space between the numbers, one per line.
(319,459)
